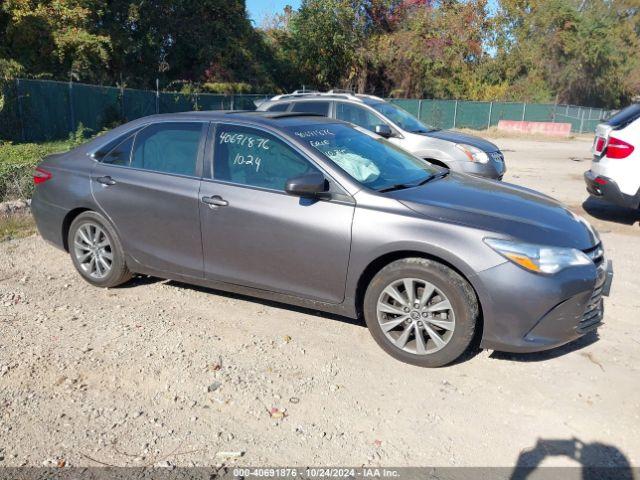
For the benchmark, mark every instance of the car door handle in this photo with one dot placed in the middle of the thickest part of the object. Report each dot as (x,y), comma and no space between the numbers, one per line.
(106,180)
(215,201)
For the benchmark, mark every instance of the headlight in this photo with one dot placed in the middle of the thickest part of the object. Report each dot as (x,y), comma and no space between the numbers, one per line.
(538,258)
(474,154)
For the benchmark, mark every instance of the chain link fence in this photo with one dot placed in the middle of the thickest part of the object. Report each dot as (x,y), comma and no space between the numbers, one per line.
(483,115)
(43,110)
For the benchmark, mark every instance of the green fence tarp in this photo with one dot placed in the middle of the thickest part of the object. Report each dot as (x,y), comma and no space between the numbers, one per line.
(45,110)
(40,110)
(10,122)
(95,107)
(137,104)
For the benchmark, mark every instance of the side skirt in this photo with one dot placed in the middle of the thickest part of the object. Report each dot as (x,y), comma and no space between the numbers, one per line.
(337,309)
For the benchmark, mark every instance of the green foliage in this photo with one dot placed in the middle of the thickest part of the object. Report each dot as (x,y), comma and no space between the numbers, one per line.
(56,38)
(575,51)
(572,51)
(78,137)
(325,38)
(17,163)
(9,69)
(227,87)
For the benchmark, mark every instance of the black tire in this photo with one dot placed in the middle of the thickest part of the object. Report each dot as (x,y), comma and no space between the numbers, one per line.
(119,273)
(461,297)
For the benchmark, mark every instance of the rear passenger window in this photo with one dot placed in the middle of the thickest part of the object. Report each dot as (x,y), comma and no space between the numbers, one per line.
(321,108)
(168,148)
(251,157)
(278,107)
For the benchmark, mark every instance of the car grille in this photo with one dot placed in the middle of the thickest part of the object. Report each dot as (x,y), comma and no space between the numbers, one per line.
(497,157)
(596,254)
(594,312)
(592,317)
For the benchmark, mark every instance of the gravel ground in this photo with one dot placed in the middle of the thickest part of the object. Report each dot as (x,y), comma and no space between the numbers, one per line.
(161,373)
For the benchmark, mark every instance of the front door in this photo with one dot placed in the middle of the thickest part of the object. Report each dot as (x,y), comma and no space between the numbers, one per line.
(255,234)
(148,187)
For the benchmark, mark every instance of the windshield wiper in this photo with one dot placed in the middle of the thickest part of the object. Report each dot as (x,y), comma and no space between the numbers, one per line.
(402,186)
(434,176)
(397,186)
(422,130)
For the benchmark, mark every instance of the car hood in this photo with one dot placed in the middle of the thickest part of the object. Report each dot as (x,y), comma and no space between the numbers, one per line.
(499,207)
(457,137)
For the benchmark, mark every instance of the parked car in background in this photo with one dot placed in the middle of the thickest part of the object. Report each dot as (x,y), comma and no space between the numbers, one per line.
(615,170)
(456,151)
(313,211)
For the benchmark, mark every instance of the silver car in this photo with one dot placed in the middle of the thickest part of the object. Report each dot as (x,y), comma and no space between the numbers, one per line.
(454,150)
(312,211)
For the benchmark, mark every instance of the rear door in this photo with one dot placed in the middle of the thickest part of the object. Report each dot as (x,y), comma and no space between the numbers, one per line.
(148,187)
(259,236)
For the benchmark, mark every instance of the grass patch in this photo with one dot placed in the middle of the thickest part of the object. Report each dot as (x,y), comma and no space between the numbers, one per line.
(17,163)
(16,226)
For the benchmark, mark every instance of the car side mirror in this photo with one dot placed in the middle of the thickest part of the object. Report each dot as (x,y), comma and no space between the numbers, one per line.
(307,185)
(384,131)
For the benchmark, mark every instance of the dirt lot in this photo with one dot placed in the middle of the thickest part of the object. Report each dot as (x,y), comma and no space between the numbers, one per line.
(160,373)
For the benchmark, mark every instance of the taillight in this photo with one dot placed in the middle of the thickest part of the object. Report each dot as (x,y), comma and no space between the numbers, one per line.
(617,148)
(41,175)
(599,144)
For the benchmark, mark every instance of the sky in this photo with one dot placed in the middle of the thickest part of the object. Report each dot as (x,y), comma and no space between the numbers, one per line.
(259,8)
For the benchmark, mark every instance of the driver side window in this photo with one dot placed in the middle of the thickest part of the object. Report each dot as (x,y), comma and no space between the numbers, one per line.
(247,156)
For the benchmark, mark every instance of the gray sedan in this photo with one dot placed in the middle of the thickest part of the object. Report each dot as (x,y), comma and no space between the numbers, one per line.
(312,211)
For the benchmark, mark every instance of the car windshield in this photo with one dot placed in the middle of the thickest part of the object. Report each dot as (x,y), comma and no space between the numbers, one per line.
(402,118)
(367,158)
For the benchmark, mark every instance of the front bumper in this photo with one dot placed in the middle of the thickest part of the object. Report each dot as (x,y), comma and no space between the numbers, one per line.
(493,169)
(530,313)
(603,187)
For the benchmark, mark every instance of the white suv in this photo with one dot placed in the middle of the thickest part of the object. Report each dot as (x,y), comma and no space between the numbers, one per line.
(454,150)
(615,170)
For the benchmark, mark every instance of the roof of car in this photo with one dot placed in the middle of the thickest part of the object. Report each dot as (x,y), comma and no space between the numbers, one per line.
(281,119)
(331,94)
(273,119)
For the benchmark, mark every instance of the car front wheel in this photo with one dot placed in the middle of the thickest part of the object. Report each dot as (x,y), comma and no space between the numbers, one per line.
(421,312)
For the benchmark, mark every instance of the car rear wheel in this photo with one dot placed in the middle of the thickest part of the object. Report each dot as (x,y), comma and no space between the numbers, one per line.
(96,251)
(421,312)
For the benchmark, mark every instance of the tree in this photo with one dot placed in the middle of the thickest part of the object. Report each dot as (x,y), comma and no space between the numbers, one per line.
(325,36)
(56,38)
(433,51)
(572,51)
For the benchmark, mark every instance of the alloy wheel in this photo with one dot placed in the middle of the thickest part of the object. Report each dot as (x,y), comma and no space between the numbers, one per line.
(416,316)
(92,250)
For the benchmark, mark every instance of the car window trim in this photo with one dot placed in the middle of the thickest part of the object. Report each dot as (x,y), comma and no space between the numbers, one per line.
(204,133)
(342,196)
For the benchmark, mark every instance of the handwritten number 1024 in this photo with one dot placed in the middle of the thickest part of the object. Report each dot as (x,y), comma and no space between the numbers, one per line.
(248,160)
